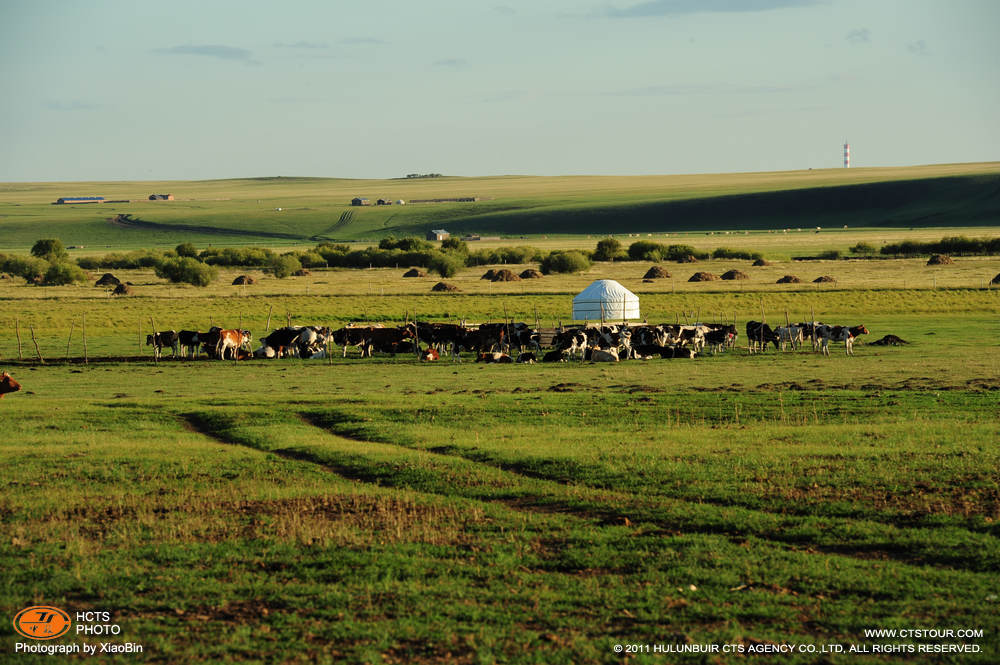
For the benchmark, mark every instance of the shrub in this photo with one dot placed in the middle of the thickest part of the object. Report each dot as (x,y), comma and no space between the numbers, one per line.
(30,268)
(455,245)
(645,250)
(726,253)
(446,264)
(609,249)
(565,262)
(405,244)
(187,249)
(284,265)
(312,260)
(49,249)
(863,248)
(184,269)
(830,255)
(63,272)
(238,256)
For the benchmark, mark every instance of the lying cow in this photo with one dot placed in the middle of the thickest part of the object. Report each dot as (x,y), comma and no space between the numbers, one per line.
(8,384)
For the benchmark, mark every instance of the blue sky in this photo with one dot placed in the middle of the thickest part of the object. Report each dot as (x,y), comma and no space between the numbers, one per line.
(126,90)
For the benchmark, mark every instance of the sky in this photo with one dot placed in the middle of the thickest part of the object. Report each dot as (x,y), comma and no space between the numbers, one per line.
(127,90)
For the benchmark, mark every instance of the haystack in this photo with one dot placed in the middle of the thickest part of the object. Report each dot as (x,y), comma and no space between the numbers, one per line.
(444,286)
(789,279)
(531,273)
(761,262)
(107,279)
(301,272)
(656,272)
(687,259)
(823,278)
(489,274)
(414,272)
(940,260)
(703,277)
(244,279)
(123,290)
(735,274)
(996,280)
(505,276)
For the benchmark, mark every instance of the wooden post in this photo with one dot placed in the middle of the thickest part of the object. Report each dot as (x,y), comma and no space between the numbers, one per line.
(812,327)
(763,320)
(85,360)
(17,331)
(156,356)
(31,329)
(267,326)
(72,325)
(288,319)
(138,329)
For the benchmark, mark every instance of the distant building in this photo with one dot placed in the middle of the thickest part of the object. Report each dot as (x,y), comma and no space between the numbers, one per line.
(383,202)
(358,201)
(439,234)
(161,197)
(79,199)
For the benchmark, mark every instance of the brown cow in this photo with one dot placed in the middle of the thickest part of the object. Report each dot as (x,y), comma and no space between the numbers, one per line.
(8,384)
(231,339)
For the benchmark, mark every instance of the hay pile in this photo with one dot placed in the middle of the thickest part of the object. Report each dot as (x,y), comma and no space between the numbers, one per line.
(789,279)
(414,272)
(444,286)
(656,272)
(996,280)
(123,290)
(703,277)
(489,274)
(301,272)
(940,260)
(505,276)
(687,259)
(735,274)
(823,278)
(107,279)
(531,273)
(761,262)
(244,279)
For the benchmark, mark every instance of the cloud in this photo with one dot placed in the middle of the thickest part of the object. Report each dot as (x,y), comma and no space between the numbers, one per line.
(452,63)
(70,105)
(675,7)
(504,10)
(710,89)
(859,36)
(302,45)
(918,47)
(211,51)
(362,41)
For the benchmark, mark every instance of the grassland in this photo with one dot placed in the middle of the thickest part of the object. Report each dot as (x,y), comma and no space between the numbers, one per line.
(387,511)
(280,211)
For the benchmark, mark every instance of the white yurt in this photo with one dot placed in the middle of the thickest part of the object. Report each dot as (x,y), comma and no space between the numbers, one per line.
(605,299)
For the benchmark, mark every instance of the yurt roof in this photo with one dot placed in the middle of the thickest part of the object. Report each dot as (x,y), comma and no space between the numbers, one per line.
(606,299)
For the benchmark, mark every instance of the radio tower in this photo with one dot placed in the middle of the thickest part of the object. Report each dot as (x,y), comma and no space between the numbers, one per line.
(847,155)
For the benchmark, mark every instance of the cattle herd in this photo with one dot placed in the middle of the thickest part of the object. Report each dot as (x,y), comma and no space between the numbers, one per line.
(502,342)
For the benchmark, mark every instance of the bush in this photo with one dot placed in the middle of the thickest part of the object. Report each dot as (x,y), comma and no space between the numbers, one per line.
(284,265)
(446,264)
(184,269)
(645,250)
(405,244)
(256,257)
(30,268)
(49,249)
(863,248)
(63,272)
(726,253)
(187,249)
(830,255)
(455,245)
(565,262)
(609,249)
(312,260)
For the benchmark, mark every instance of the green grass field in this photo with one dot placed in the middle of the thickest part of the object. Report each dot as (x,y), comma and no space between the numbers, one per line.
(228,212)
(387,511)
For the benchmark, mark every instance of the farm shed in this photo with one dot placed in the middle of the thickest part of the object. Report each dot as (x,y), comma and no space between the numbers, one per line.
(359,201)
(79,199)
(161,197)
(438,234)
(605,299)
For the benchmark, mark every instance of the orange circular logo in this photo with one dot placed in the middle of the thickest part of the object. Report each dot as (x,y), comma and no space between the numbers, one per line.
(42,622)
